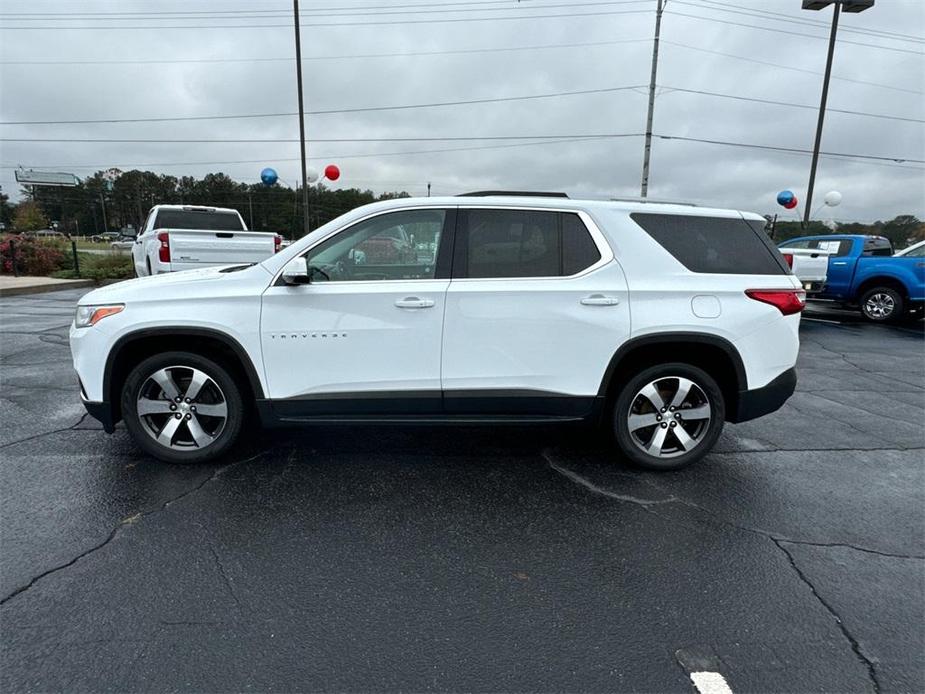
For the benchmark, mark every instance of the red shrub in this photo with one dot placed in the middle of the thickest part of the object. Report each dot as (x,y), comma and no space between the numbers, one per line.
(32,257)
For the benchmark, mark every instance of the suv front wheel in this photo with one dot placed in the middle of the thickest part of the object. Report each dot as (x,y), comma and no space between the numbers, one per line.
(668,416)
(182,408)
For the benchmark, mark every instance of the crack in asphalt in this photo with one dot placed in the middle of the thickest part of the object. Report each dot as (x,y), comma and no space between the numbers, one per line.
(73,427)
(225,579)
(131,520)
(647,504)
(855,646)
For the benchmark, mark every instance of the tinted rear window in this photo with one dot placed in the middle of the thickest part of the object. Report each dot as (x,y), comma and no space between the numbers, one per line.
(198,219)
(713,244)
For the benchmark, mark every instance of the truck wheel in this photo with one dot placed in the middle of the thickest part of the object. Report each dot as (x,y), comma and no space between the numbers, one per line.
(882,305)
(182,408)
(668,416)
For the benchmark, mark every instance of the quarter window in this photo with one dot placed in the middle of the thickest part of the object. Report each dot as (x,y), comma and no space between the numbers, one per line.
(523,243)
(713,244)
(396,246)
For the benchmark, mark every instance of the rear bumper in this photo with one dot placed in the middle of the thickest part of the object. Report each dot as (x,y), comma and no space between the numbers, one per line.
(761,401)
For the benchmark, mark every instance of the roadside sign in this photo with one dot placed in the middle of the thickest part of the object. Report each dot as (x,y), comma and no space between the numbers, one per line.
(45,178)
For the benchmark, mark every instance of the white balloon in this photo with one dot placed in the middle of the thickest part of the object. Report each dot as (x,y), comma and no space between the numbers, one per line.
(832,198)
(311,175)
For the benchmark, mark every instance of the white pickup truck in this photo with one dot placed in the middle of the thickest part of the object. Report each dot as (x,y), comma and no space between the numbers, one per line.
(810,265)
(188,237)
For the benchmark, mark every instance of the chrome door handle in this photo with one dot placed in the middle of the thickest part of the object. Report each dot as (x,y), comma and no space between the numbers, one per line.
(600,300)
(414,302)
(839,262)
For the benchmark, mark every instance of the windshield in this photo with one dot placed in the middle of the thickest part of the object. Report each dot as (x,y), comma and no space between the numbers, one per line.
(198,219)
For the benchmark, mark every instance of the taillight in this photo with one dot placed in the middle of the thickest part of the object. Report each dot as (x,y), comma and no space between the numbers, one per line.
(788,258)
(787,301)
(277,243)
(163,252)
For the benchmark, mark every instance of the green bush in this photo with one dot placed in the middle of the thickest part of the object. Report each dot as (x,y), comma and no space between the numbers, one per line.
(99,267)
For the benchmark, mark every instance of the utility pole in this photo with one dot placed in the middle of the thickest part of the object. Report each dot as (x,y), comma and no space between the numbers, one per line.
(298,73)
(103,205)
(644,189)
(853,6)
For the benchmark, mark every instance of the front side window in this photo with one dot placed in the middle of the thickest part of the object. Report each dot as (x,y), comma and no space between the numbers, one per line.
(524,243)
(396,246)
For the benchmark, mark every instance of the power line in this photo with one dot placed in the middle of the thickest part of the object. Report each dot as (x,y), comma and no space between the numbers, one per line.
(368,109)
(764,14)
(453,138)
(338,24)
(316,157)
(461,51)
(792,105)
(312,13)
(871,157)
(790,67)
(792,33)
(365,109)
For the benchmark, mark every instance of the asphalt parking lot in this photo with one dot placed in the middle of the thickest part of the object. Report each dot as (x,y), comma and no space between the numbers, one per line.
(792,559)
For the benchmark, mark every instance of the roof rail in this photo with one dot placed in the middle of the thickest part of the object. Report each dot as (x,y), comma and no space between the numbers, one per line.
(657,202)
(512,193)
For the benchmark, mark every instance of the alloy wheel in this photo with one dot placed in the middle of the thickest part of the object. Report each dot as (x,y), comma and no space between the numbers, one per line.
(182,407)
(879,306)
(669,417)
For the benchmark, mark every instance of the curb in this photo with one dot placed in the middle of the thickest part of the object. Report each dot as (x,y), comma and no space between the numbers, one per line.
(45,287)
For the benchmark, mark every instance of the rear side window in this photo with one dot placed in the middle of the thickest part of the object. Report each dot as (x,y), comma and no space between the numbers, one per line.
(198,219)
(837,247)
(713,244)
(523,243)
(877,246)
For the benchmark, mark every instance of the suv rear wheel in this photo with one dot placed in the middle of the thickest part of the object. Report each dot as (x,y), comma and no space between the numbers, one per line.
(182,408)
(668,416)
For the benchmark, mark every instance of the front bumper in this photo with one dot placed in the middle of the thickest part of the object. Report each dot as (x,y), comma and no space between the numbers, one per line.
(761,401)
(100,411)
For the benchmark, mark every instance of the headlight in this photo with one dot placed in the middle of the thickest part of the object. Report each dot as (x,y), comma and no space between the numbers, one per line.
(91,315)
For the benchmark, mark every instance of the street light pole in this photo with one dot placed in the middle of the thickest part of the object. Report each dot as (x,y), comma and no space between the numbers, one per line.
(825,96)
(644,189)
(852,6)
(298,73)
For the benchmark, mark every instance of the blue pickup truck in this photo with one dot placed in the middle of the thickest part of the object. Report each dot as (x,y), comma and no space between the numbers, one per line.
(864,273)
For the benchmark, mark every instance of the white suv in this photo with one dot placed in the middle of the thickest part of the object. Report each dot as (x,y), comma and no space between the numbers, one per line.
(661,321)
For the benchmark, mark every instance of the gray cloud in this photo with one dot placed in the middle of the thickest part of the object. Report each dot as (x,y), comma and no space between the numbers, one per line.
(711,174)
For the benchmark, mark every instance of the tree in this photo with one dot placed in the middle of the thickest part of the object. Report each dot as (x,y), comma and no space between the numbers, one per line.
(901,230)
(29,217)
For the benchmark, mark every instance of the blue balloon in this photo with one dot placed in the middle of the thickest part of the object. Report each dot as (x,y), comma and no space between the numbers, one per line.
(268,176)
(785,197)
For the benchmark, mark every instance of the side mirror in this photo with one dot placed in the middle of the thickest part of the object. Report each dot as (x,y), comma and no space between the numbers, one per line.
(296,272)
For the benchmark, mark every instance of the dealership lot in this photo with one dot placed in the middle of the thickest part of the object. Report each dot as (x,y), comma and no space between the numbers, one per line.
(355,558)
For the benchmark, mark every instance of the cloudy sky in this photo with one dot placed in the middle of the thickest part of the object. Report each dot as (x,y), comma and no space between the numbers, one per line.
(162,59)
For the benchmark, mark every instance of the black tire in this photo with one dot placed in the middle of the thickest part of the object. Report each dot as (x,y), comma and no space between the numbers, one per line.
(218,433)
(882,305)
(703,433)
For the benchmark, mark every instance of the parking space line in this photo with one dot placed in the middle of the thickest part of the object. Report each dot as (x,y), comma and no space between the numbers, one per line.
(823,320)
(710,683)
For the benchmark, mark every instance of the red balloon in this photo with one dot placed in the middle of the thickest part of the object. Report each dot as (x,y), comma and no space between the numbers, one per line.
(793,203)
(331,172)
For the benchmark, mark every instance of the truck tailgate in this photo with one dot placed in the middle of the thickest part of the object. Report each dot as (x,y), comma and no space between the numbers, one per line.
(808,264)
(201,247)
